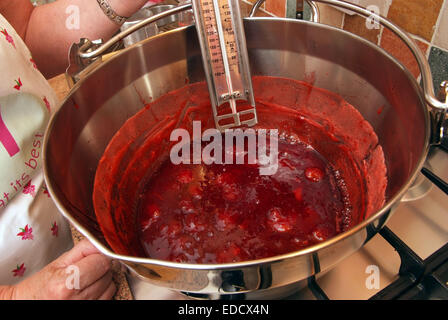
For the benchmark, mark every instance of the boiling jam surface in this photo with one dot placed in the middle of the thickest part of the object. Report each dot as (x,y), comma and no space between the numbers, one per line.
(222,213)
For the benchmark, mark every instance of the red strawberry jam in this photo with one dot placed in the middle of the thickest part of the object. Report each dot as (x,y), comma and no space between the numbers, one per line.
(228,213)
(331,176)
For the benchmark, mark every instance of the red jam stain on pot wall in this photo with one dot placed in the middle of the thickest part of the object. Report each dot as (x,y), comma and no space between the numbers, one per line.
(331,176)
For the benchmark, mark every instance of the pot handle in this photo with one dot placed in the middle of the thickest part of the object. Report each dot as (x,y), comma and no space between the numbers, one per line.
(85,51)
(86,55)
(438,105)
(315,13)
(439,132)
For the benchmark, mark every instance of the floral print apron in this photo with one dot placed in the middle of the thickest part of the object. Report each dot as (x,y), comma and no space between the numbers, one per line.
(32,231)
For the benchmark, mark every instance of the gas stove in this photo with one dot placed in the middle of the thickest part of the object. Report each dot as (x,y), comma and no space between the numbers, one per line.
(407,259)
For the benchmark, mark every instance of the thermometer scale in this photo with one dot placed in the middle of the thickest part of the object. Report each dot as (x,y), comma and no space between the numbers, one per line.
(226,63)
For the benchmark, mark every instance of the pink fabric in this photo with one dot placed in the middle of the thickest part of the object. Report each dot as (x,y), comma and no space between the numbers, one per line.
(7,139)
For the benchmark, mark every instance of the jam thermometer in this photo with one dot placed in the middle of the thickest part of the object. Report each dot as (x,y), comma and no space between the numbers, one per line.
(226,62)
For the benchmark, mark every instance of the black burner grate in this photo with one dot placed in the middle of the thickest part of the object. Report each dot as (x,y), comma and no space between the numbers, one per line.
(418,278)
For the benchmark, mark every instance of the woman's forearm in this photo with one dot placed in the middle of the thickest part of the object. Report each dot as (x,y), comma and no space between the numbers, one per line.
(52,28)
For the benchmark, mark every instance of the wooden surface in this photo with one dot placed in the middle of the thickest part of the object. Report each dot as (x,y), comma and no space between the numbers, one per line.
(60,86)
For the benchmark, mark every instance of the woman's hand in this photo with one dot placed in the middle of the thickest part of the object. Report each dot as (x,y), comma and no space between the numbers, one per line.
(58,279)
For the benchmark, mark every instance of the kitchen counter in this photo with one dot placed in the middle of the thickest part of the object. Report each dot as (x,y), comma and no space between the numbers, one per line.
(59,84)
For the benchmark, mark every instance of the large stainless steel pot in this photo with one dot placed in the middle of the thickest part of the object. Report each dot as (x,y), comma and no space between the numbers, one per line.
(362,73)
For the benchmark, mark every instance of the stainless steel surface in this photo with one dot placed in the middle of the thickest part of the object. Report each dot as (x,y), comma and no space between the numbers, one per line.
(143,33)
(315,13)
(335,60)
(255,7)
(186,17)
(443,92)
(214,275)
(224,53)
(169,19)
(419,189)
(78,67)
(85,51)
(440,122)
(425,70)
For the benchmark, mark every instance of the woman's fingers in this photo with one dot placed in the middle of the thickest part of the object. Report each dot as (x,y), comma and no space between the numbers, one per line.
(89,277)
(83,249)
(92,268)
(96,289)
(109,293)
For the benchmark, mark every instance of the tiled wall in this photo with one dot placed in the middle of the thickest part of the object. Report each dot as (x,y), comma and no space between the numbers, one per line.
(425,20)
(246,6)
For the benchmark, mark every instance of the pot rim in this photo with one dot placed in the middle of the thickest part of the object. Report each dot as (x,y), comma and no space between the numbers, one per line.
(251,263)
